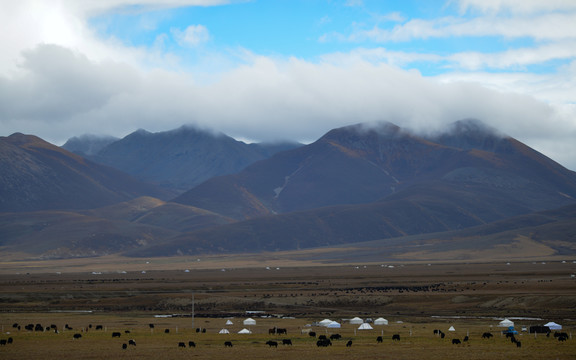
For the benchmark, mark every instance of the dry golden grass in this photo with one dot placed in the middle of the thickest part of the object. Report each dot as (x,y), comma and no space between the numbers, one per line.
(417,340)
(129,301)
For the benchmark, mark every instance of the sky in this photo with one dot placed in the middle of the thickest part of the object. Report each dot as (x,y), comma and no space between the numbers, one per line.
(268,70)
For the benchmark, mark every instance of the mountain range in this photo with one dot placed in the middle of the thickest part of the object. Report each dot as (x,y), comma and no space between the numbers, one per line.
(362,165)
(175,160)
(465,187)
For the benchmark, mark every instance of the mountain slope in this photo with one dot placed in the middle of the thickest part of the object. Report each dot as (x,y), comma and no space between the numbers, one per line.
(359,164)
(108,230)
(59,234)
(531,236)
(423,209)
(154,212)
(355,184)
(179,159)
(337,235)
(87,145)
(37,175)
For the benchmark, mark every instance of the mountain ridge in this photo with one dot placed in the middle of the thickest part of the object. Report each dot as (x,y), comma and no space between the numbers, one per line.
(358,164)
(181,158)
(355,184)
(37,175)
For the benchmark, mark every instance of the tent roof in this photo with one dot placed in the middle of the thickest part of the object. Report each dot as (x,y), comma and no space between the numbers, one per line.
(380,321)
(451,328)
(224,331)
(365,326)
(244,331)
(229,322)
(506,322)
(334,325)
(356,320)
(553,326)
(249,321)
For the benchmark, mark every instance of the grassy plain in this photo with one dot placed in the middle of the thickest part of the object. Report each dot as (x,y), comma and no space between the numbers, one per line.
(126,294)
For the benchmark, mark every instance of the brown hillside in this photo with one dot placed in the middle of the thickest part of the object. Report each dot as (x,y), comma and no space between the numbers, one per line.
(359,165)
(37,175)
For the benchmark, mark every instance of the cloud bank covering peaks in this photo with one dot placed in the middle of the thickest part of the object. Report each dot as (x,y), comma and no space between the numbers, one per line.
(268,70)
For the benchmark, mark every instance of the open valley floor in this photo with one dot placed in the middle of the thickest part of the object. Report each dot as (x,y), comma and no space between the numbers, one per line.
(193,300)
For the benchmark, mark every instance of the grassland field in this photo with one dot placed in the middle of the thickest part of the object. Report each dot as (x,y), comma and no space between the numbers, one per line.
(416,298)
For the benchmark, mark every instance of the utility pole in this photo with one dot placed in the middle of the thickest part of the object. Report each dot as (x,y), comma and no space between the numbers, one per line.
(192,311)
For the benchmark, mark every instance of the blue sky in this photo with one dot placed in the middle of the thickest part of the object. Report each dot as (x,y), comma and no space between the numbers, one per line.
(308,29)
(264,70)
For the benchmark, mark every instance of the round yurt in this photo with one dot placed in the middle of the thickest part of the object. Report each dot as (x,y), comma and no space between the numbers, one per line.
(356,321)
(334,325)
(380,321)
(325,322)
(505,323)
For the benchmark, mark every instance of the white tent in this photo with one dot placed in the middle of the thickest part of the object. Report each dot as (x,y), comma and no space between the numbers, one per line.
(333,325)
(244,331)
(365,326)
(325,322)
(553,326)
(229,322)
(224,331)
(505,323)
(356,321)
(380,321)
(451,328)
(249,321)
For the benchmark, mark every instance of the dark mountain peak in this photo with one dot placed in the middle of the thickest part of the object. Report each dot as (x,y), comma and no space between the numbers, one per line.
(364,130)
(32,143)
(190,133)
(193,129)
(88,144)
(183,134)
(381,142)
(139,133)
(178,159)
(471,134)
(472,127)
(19,139)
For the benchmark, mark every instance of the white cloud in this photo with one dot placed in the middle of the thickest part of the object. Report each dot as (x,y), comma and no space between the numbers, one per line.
(515,58)
(193,35)
(517,7)
(91,7)
(393,16)
(265,99)
(553,26)
(27,23)
(354,3)
(54,83)
(379,54)
(68,81)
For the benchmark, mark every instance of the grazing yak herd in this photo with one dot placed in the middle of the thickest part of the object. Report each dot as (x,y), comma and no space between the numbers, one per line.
(321,340)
